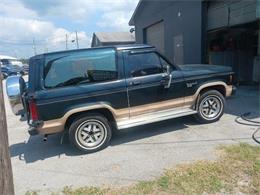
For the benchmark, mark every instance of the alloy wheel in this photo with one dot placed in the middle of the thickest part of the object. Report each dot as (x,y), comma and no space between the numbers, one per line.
(211,107)
(91,134)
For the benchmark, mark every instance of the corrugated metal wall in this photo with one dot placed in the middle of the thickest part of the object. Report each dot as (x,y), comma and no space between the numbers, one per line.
(179,18)
(217,15)
(232,12)
(258,9)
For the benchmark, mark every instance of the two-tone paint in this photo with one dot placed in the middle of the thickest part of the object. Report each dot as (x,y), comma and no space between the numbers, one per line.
(130,101)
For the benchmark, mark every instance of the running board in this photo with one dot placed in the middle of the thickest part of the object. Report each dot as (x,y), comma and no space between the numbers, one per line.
(154,117)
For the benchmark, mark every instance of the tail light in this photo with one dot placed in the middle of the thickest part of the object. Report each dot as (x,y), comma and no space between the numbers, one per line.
(33,110)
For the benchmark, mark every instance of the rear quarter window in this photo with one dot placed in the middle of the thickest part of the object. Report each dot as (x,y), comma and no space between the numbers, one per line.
(86,66)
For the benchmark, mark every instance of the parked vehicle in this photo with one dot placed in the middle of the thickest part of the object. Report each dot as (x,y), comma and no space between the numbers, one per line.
(89,92)
(11,66)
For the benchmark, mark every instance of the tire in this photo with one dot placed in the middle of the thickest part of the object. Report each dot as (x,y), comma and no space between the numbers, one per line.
(90,132)
(211,106)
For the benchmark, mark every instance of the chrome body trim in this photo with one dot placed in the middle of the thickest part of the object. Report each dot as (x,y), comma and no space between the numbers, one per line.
(169,82)
(155,117)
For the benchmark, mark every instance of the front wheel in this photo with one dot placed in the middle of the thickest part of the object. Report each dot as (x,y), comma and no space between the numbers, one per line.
(210,107)
(90,133)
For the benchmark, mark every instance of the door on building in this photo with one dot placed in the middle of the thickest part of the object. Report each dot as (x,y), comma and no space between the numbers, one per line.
(154,36)
(178,49)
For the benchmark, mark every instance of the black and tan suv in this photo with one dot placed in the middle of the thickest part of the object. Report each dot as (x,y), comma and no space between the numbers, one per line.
(89,92)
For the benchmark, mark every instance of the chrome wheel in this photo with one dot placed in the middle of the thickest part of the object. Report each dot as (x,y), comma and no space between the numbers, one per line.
(91,134)
(211,107)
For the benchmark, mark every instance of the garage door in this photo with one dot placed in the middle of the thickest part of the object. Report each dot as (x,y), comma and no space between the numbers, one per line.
(155,36)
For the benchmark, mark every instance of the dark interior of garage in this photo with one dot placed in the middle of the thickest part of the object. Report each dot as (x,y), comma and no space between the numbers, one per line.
(236,47)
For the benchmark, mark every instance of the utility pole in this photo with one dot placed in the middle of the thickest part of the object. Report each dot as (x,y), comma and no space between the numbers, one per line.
(66,42)
(6,176)
(34,47)
(77,40)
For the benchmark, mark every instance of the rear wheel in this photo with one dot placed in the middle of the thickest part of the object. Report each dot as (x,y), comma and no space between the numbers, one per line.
(211,106)
(90,133)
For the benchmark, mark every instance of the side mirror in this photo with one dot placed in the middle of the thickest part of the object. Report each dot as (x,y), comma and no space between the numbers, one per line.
(167,78)
(14,87)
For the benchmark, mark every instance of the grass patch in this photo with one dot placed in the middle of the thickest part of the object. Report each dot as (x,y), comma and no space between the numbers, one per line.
(237,170)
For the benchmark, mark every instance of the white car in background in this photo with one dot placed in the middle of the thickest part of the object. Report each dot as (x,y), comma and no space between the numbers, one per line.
(11,66)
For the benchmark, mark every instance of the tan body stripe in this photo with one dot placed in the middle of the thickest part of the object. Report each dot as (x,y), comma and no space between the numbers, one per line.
(58,125)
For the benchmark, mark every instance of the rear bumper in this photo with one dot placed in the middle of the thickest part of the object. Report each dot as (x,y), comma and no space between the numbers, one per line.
(45,127)
(34,126)
(33,131)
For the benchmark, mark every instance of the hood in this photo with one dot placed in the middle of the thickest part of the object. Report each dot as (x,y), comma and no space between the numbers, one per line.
(206,68)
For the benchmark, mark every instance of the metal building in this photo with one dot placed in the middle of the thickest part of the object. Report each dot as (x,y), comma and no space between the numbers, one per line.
(112,38)
(222,32)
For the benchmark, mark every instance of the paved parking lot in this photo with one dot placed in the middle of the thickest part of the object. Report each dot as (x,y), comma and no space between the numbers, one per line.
(135,154)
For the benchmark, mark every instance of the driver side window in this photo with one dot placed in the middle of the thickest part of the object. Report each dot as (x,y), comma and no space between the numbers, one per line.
(143,64)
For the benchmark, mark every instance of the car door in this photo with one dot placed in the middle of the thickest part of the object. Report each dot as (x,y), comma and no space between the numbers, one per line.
(146,77)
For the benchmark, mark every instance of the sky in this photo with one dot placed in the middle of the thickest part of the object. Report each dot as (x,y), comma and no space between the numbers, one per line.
(46,23)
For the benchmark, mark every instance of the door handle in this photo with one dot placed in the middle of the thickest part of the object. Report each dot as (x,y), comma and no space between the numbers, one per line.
(135,82)
(165,79)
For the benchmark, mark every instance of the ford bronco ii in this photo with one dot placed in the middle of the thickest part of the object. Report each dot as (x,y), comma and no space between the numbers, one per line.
(89,92)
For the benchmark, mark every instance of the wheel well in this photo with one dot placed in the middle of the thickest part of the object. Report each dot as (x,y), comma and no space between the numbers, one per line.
(219,88)
(102,111)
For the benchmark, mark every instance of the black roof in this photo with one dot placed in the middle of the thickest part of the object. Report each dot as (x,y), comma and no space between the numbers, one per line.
(117,47)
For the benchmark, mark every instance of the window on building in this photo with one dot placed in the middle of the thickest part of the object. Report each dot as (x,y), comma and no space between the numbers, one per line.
(80,67)
(144,64)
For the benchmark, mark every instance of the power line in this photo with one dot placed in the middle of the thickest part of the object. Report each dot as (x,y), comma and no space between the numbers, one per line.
(18,43)
(41,41)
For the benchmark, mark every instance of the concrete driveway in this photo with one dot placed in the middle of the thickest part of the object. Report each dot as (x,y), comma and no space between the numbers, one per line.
(135,154)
